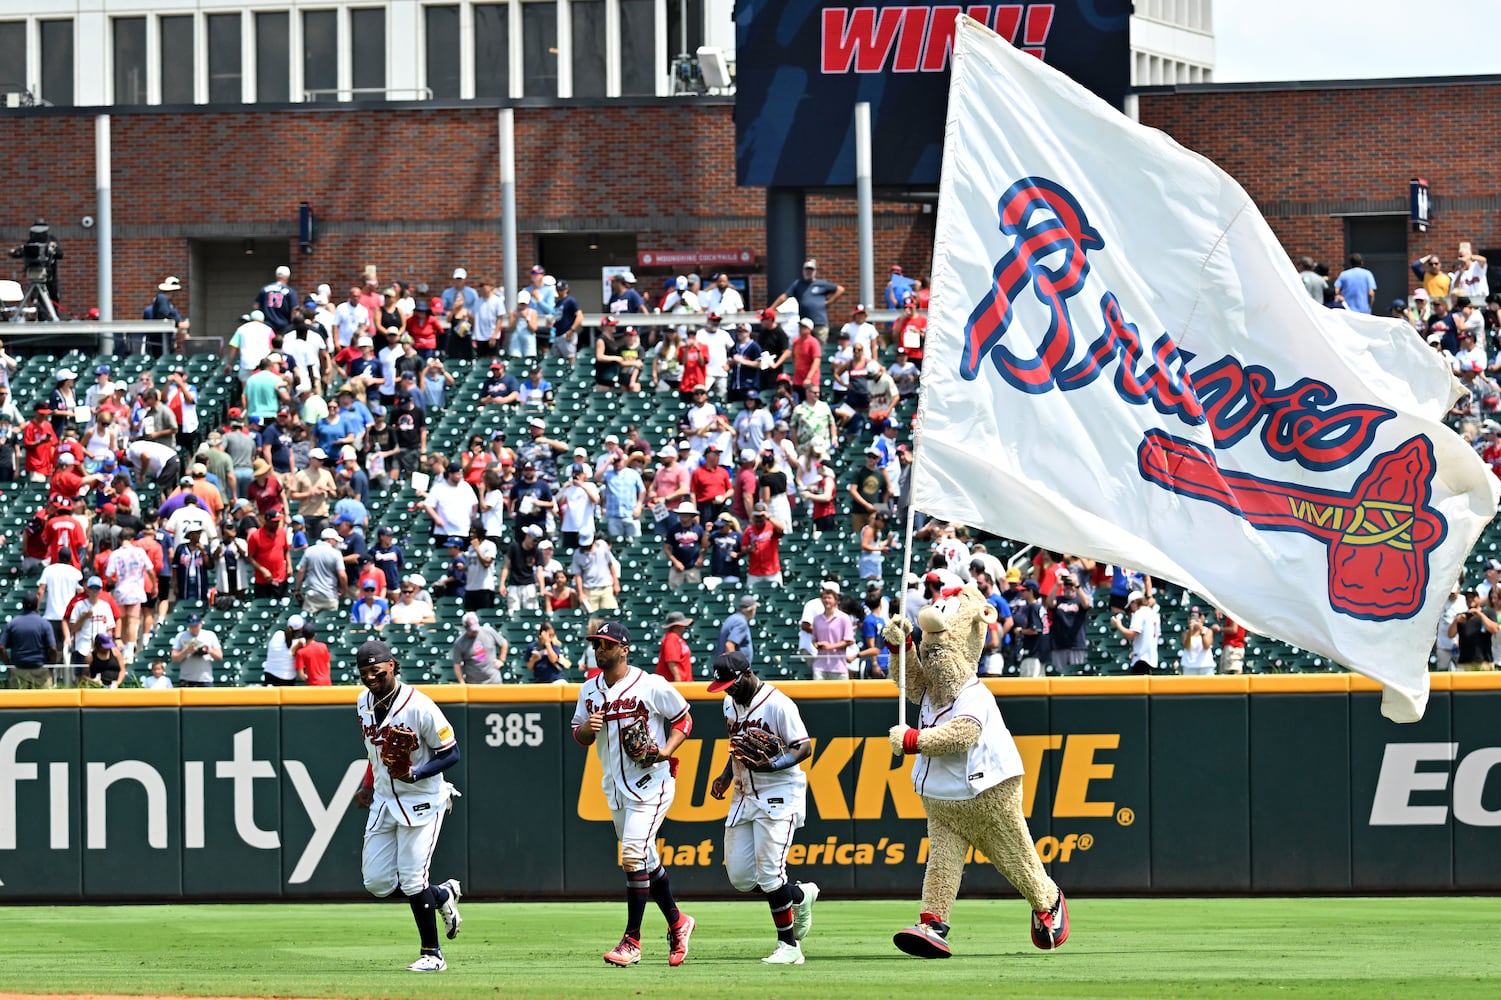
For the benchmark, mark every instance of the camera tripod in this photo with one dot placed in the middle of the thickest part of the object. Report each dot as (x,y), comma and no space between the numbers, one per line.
(36,296)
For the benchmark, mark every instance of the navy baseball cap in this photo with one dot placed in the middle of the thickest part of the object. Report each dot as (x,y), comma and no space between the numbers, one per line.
(614,632)
(728,669)
(372,651)
(195,619)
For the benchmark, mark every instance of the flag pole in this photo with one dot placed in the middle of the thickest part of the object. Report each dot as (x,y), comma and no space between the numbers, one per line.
(901,656)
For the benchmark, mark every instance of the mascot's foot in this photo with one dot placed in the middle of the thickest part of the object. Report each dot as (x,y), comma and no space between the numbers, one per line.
(1050,929)
(928,938)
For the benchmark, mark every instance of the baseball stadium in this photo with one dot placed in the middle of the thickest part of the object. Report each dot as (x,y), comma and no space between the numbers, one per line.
(689,497)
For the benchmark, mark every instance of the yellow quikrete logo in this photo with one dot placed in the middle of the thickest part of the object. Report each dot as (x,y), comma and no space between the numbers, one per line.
(882,786)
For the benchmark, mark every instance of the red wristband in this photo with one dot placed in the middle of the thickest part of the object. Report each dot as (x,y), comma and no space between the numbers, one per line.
(909,740)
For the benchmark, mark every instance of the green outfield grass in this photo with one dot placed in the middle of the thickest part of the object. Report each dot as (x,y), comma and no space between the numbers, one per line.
(1119,948)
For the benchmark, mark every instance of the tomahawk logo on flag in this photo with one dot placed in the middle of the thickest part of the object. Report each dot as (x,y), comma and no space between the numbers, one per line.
(1122,364)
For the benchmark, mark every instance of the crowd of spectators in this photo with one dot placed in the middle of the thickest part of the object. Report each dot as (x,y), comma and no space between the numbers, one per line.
(789,430)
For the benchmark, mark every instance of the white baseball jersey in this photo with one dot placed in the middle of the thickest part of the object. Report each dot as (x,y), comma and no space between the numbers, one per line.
(992,759)
(625,781)
(417,803)
(767,791)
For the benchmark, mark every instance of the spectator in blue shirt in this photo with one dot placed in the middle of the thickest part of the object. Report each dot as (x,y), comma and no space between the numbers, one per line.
(1356,286)
(370,611)
(814,296)
(544,656)
(735,633)
(724,550)
(388,557)
(623,295)
(625,494)
(874,657)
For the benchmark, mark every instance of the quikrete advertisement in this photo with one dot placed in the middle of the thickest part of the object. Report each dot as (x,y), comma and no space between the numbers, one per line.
(1127,793)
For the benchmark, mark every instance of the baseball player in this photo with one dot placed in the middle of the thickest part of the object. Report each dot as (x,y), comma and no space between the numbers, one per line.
(410,744)
(767,742)
(636,720)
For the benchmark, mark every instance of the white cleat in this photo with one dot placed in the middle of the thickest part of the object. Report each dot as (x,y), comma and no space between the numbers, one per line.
(786,954)
(449,911)
(802,913)
(428,963)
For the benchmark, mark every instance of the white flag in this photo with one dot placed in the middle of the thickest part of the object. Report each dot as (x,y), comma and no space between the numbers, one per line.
(1122,364)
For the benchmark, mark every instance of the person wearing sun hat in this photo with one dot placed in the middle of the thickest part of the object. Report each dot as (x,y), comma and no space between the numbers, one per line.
(674,657)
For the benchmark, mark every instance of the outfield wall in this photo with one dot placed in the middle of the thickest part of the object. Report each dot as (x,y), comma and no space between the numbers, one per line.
(1286,784)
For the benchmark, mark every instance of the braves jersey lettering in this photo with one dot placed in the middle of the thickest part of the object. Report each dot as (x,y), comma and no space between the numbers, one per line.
(992,759)
(768,791)
(416,803)
(624,780)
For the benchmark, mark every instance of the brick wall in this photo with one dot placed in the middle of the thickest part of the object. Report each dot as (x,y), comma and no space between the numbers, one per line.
(669,176)
(1305,153)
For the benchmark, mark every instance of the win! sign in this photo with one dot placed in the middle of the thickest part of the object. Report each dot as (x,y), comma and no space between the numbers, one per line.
(803,67)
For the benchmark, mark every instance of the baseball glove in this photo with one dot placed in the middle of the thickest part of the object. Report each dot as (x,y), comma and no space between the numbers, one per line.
(396,746)
(756,746)
(636,740)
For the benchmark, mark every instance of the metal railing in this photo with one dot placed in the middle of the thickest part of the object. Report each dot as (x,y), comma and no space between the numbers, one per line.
(337,93)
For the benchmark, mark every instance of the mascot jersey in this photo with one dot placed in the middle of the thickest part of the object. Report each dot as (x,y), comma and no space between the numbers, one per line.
(992,759)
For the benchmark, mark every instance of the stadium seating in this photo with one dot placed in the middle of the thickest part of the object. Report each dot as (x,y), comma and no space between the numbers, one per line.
(582,417)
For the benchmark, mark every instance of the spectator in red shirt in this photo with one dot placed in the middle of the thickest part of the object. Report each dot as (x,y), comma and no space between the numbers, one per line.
(762,544)
(312,659)
(674,658)
(911,329)
(265,490)
(65,536)
(745,486)
(695,360)
(40,441)
(710,485)
(267,550)
(68,480)
(807,357)
(1232,643)
(424,329)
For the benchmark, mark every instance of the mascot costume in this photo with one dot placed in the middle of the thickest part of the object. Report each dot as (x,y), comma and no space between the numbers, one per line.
(968,773)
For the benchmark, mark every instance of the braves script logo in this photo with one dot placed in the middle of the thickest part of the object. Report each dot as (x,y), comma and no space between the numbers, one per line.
(1379,534)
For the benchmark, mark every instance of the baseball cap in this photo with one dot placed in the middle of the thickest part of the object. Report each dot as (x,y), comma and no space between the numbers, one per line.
(372,651)
(1135,595)
(873,451)
(1493,564)
(580,453)
(1031,585)
(747,455)
(274,514)
(612,631)
(752,394)
(283,271)
(536,422)
(296,623)
(533,530)
(471,621)
(319,454)
(810,264)
(746,601)
(760,508)
(95,583)
(1420,293)
(714,317)
(729,668)
(329,535)
(298,519)
(368,585)
(195,619)
(452,542)
(257,315)
(68,458)
(859,308)
(768,313)
(104,641)
(459,272)
(536,269)
(1013,575)
(832,586)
